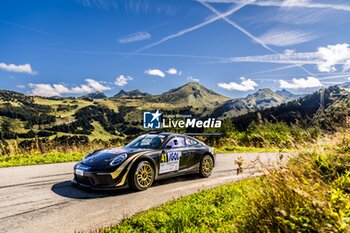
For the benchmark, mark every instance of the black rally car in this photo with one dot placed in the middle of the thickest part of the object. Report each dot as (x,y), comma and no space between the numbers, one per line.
(149,157)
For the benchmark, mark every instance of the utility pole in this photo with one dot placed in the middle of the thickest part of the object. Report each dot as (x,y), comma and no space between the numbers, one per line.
(260,120)
(322,98)
(321,108)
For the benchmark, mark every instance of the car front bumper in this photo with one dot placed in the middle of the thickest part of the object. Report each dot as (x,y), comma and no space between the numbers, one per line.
(102,181)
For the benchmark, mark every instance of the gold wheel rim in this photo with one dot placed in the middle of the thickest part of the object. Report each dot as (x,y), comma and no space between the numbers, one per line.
(144,175)
(207,165)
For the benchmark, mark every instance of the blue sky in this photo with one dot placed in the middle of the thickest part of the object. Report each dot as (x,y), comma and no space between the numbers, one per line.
(72,47)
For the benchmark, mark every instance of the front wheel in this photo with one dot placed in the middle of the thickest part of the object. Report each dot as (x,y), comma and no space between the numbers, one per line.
(206,166)
(143,176)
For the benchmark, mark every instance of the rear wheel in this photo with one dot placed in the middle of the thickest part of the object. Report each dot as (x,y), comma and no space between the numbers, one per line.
(143,176)
(206,166)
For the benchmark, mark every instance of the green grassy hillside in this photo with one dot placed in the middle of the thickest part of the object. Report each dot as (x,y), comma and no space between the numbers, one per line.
(30,123)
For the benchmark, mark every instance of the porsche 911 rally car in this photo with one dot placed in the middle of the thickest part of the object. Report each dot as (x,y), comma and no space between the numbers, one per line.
(149,157)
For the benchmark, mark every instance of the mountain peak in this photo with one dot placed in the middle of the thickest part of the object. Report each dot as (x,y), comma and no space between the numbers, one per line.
(261,99)
(95,95)
(284,92)
(121,92)
(264,90)
(193,94)
(132,93)
(262,93)
(193,84)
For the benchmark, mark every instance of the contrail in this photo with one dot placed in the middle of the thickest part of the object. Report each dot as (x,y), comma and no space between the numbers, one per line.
(334,77)
(306,5)
(276,69)
(27,28)
(183,32)
(139,54)
(322,76)
(314,5)
(326,76)
(235,25)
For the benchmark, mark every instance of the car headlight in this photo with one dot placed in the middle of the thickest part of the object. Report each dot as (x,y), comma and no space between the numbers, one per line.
(212,150)
(89,154)
(118,160)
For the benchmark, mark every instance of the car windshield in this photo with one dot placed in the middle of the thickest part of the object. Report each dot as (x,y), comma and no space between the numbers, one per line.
(147,141)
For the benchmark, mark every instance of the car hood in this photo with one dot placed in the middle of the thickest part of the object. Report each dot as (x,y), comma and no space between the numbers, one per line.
(100,159)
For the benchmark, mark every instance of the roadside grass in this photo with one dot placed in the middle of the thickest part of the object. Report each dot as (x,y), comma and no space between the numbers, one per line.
(207,211)
(245,149)
(309,194)
(38,158)
(35,158)
(56,156)
(67,154)
(268,137)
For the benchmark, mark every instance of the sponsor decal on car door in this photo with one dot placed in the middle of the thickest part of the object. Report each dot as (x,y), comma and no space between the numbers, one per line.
(169,161)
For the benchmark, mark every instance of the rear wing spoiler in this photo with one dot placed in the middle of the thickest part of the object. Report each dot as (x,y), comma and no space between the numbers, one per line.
(189,134)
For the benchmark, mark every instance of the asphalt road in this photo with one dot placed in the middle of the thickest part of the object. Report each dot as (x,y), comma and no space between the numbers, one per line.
(41,199)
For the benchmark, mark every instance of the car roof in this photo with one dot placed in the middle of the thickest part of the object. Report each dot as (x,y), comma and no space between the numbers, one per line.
(169,135)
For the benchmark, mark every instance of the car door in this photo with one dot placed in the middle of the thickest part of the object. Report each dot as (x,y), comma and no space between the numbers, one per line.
(174,157)
(193,152)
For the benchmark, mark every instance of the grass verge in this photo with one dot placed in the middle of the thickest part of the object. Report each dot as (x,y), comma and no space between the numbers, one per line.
(246,149)
(35,158)
(310,194)
(38,158)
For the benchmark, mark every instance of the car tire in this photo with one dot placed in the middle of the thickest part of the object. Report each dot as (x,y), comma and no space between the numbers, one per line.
(206,166)
(142,176)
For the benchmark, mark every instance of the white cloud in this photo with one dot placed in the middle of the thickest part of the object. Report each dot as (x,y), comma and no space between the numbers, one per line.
(346,66)
(96,85)
(101,4)
(90,86)
(61,88)
(155,72)
(325,58)
(333,55)
(245,85)
(283,37)
(122,80)
(47,90)
(26,68)
(21,86)
(302,16)
(291,3)
(192,79)
(174,71)
(300,83)
(138,36)
(135,6)
(44,90)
